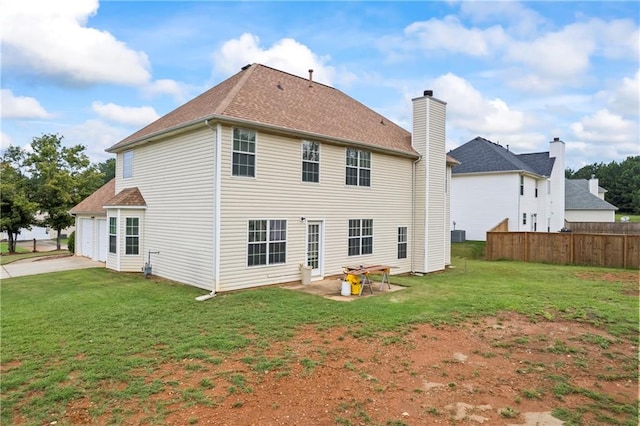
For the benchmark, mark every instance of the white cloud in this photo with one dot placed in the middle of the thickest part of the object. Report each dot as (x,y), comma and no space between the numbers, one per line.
(180,92)
(561,54)
(21,106)
(467,108)
(286,54)
(96,136)
(5,140)
(129,116)
(604,127)
(451,35)
(50,38)
(624,98)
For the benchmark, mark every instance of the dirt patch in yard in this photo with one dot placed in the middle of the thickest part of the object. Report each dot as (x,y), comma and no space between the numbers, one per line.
(499,371)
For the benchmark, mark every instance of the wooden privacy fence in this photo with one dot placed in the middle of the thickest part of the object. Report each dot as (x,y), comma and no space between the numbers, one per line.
(604,227)
(614,251)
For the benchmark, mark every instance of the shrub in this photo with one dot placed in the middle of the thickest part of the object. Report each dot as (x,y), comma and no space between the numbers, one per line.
(71,242)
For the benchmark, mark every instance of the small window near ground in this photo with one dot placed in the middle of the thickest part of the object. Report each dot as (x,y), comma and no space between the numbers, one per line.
(127,164)
(310,161)
(113,235)
(132,236)
(267,242)
(244,153)
(402,242)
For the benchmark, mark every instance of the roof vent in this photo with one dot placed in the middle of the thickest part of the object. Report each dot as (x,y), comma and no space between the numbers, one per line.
(556,139)
(245,67)
(310,78)
(428,93)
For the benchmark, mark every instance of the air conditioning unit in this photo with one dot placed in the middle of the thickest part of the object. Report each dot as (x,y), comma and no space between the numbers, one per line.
(458,236)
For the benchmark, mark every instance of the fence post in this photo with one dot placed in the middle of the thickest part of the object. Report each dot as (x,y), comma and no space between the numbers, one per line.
(34,245)
(624,251)
(572,254)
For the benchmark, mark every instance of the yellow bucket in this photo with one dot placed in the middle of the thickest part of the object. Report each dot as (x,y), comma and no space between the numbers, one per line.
(355,288)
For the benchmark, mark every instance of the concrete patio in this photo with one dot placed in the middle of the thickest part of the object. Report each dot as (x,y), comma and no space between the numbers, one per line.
(331,289)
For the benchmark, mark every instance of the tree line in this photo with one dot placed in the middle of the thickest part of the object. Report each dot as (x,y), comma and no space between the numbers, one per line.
(621,180)
(39,185)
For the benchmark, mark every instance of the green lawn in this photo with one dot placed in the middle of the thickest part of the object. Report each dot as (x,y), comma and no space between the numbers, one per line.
(23,254)
(632,217)
(95,324)
(4,248)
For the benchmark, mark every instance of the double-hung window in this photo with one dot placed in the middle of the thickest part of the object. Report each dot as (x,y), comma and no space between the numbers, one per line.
(402,242)
(310,161)
(267,242)
(113,235)
(521,185)
(127,164)
(132,236)
(244,153)
(358,167)
(360,236)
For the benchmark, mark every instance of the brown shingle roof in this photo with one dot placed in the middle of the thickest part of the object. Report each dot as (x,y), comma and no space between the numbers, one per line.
(271,97)
(94,202)
(127,197)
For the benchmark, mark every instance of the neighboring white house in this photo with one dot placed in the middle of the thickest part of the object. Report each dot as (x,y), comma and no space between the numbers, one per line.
(492,184)
(268,172)
(584,202)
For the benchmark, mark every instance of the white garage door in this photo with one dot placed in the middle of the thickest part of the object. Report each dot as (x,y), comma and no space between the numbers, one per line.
(86,236)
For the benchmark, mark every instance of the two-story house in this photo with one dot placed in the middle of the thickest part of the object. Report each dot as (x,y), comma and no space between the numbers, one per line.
(268,172)
(493,184)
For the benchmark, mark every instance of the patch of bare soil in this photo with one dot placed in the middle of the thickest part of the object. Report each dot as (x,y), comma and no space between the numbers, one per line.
(497,371)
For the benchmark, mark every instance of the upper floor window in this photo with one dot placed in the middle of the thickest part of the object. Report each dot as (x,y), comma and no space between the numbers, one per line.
(358,167)
(113,235)
(127,164)
(132,236)
(267,242)
(521,185)
(310,161)
(244,153)
(360,236)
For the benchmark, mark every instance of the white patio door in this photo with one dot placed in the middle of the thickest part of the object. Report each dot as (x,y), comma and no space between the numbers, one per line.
(314,247)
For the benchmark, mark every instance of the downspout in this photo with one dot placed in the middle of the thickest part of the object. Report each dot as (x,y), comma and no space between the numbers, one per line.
(413,212)
(216,213)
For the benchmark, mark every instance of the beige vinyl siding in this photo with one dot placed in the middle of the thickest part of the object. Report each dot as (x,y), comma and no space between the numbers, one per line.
(430,207)
(436,214)
(176,179)
(419,142)
(277,192)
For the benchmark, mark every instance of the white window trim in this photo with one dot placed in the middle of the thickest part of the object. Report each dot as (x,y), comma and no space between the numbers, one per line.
(358,168)
(109,234)
(302,161)
(406,241)
(286,241)
(360,237)
(124,168)
(255,155)
(124,240)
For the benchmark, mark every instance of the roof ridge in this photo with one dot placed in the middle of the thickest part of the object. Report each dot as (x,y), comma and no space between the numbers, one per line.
(236,88)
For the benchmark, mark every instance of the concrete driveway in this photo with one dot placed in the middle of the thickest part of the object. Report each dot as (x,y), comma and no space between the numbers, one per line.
(44,265)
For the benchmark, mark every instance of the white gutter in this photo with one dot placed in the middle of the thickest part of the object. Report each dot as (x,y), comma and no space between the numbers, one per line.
(216,213)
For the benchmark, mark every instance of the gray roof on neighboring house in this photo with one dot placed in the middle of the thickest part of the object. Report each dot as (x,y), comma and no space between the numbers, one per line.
(481,155)
(578,197)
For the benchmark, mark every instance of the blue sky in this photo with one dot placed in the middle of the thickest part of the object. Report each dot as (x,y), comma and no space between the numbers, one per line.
(515,73)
